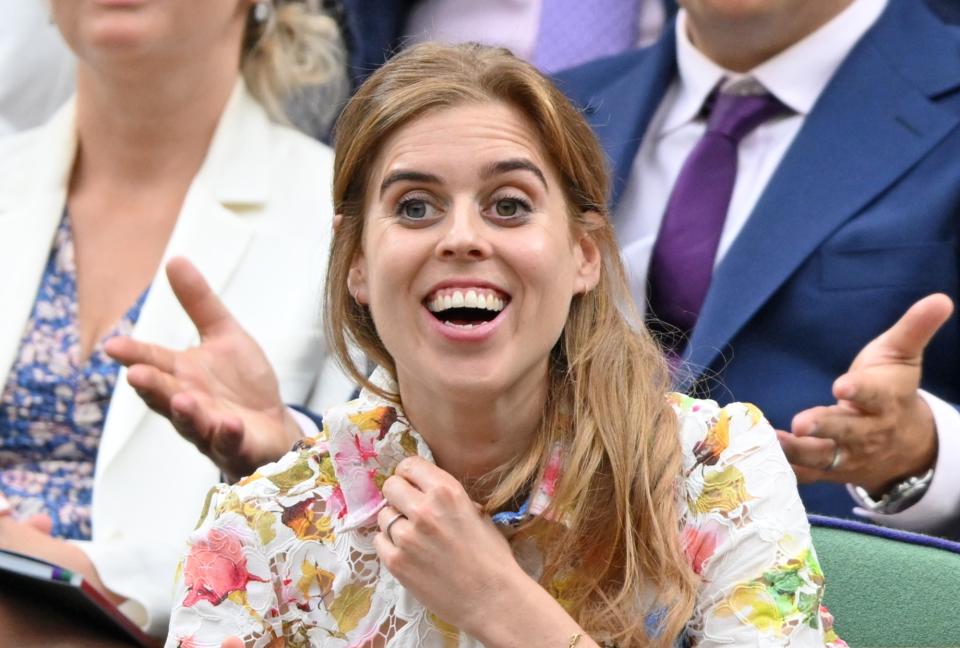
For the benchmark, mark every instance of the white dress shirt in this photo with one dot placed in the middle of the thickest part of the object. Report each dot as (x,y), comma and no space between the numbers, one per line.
(797,76)
(36,67)
(506,23)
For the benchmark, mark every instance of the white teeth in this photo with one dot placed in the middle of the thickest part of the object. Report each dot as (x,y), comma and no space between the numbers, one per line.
(460,326)
(469,299)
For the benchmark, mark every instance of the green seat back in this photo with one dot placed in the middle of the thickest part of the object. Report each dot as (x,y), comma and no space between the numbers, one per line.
(889,589)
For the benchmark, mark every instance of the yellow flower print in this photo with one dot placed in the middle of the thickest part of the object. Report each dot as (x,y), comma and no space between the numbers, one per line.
(724,491)
(379,420)
(307,523)
(707,451)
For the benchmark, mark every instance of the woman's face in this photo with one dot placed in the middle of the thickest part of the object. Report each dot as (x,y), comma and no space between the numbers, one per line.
(469,262)
(130,29)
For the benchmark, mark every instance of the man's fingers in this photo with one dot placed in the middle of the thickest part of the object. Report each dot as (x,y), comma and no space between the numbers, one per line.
(807,452)
(869,392)
(200,303)
(907,339)
(128,351)
(809,475)
(810,458)
(805,422)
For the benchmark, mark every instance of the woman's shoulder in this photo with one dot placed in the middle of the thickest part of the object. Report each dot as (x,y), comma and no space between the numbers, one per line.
(708,429)
(732,460)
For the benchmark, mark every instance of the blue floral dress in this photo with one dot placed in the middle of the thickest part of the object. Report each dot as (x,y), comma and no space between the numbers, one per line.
(54,404)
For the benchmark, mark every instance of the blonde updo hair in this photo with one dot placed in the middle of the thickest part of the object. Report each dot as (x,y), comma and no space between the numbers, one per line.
(297,53)
(606,406)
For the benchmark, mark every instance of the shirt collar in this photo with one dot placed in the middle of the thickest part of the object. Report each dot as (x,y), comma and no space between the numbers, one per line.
(796,76)
(369,436)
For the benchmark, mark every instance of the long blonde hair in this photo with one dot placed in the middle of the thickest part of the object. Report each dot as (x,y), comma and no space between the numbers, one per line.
(618,553)
(297,52)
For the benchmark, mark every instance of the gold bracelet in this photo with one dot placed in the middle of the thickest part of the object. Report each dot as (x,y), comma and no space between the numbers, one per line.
(574,640)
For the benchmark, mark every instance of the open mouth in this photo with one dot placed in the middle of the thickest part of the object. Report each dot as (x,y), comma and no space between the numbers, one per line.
(466,307)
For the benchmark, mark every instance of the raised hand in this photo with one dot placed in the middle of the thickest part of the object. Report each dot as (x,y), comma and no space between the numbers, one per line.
(436,542)
(880,430)
(222,395)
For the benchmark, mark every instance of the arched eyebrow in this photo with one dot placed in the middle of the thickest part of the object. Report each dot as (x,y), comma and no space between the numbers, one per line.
(514,164)
(412,176)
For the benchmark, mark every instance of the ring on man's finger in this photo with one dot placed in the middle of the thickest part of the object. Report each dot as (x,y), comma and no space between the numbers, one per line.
(386,529)
(835,462)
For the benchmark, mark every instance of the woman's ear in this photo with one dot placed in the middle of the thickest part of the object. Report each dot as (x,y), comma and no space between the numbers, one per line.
(587,253)
(337,219)
(357,280)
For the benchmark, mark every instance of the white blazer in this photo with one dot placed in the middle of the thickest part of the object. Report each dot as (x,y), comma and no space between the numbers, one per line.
(256,221)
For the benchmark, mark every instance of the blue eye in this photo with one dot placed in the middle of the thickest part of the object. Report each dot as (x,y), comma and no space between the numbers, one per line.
(414,209)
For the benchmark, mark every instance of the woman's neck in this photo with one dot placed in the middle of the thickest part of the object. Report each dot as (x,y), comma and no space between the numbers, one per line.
(473,433)
(143,129)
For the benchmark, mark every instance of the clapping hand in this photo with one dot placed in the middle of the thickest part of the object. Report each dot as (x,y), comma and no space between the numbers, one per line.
(222,395)
(880,430)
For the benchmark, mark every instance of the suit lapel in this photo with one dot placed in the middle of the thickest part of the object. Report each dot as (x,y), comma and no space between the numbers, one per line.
(617,117)
(842,158)
(210,235)
(32,199)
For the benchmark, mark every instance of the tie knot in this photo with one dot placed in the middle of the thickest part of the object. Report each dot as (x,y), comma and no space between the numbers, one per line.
(735,115)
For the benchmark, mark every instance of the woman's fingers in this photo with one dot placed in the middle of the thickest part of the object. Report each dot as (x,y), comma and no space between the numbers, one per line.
(198,419)
(199,301)
(155,387)
(128,352)
(402,495)
(391,521)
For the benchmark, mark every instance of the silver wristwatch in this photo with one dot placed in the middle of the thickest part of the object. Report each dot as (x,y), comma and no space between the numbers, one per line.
(901,496)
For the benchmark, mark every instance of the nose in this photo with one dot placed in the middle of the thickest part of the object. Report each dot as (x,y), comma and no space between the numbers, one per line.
(464,235)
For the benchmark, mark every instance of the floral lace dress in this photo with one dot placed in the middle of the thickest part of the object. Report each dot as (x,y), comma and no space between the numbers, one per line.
(54,405)
(285,557)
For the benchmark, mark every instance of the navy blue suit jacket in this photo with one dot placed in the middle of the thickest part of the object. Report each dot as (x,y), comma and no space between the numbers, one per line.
(860,219)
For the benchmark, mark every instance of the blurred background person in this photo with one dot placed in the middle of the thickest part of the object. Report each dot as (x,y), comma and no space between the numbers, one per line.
(552,34)
(171,146)
(786,190)
(36,66)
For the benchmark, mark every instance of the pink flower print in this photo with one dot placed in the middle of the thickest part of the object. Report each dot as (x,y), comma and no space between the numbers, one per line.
(215,567)
(699,545)
(355,463)
(365,449)
(336,504)
(547,487)
(551,474)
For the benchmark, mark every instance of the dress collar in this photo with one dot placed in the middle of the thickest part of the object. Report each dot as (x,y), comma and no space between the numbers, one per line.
(369,436)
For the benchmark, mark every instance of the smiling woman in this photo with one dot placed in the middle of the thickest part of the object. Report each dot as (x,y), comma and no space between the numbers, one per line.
(515,472)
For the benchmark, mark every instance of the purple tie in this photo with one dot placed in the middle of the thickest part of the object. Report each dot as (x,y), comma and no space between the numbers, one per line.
(576,31)
(686,247)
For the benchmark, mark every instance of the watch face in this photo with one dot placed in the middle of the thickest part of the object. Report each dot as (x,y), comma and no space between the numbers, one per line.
(900,497)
